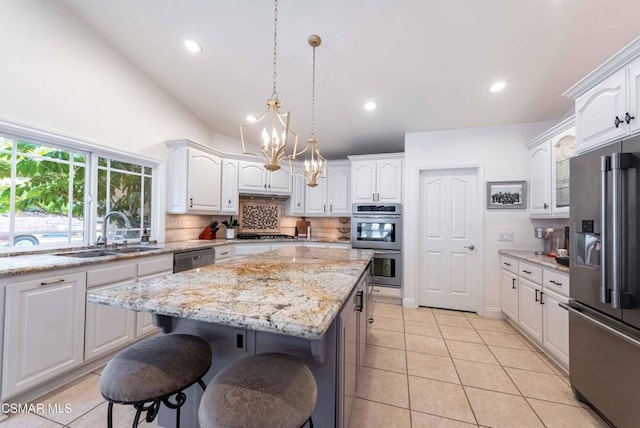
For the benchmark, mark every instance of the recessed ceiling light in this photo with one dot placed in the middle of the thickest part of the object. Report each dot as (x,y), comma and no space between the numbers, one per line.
(251,118)
(370,105)
(192,46)
(498,86)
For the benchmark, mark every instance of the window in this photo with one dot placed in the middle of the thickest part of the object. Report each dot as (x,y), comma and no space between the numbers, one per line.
(46,193)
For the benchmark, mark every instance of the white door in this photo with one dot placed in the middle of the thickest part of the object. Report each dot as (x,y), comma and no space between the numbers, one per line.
(389,181)
(205,175)
(279,181)
(296,203)
(449,226)
(229,186)
(540,186)
(315,199)
(509,294)
(530,309)
(252,177)
(556,326)
(363,176)
(338,190)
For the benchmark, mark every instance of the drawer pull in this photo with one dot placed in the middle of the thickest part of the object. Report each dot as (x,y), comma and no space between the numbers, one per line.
(556,283)
(506,264)
(224,254)
(55,281)
(526,271)
(537,291)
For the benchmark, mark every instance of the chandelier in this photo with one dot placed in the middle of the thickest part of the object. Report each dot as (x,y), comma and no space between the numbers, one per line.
(270,131)
(315,167)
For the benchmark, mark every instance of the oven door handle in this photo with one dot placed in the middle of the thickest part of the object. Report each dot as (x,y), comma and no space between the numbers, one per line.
(389,216)
(388,252)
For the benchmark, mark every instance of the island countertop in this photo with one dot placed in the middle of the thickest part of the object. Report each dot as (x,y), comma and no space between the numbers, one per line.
(295,291)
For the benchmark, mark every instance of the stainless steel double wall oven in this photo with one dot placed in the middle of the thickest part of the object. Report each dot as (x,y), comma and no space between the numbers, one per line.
(379,227)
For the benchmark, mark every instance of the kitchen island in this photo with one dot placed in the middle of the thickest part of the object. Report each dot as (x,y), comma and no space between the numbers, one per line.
(287,300)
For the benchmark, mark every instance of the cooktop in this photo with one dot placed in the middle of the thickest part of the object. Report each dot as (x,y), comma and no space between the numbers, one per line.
(264,236)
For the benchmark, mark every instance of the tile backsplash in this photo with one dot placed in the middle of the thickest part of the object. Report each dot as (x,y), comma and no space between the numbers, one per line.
(256,215)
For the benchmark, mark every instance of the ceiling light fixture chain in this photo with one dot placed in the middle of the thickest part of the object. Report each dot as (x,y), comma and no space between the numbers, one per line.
(274,94)
(313,92)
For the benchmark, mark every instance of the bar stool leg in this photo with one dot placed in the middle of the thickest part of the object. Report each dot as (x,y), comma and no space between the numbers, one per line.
(110,415)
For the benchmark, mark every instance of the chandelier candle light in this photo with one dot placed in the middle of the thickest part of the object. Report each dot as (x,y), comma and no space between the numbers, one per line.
(275,133)
(315,167)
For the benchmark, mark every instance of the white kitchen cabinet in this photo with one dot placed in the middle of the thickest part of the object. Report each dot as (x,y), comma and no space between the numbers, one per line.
(151,267)
(555,326)
(250,249)
(607,102)
(44,329)
(509,294)
(376,180)
(254,178)
(549,156)
(530,309)
(108,328)
(194,176)
(331,195)
(295,206)
(229,191)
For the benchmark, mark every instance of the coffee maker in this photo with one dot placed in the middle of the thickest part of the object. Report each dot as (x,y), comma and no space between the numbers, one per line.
(546,234)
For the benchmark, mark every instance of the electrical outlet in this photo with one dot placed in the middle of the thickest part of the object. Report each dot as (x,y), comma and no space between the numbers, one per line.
(505,237)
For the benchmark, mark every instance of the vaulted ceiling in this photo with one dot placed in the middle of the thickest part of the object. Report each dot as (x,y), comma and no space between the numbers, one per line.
(427,63)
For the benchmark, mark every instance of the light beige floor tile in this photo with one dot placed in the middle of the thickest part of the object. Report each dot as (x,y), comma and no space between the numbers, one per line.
(448,312)
(385,359)
(506,340)
(422,328)
(28,420)
(562,416)
(553,365)
(82,397)
(367,414)
(520,359)
(422,420)
(459,333)
(388,305)
(491,325)
(498,410)
(419,315)
(426,345)
(543,386)
(486,376)
(477,352)
(471,315)
(391,324)
(432,367)
(122,417)
(383,387)
(383,311)
(452,320)
(386,338)
(440,399)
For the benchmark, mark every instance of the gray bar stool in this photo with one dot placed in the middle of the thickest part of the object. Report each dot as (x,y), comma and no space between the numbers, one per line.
(152,371)
(265,390)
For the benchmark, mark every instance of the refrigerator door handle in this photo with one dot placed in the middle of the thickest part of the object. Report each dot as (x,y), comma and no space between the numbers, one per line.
(619,162)
(602,325)
(604,169)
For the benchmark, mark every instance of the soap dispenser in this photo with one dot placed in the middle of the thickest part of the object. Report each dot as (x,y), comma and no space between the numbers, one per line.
(144,239)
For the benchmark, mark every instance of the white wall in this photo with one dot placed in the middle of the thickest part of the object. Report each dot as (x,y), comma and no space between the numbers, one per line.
(501,155)
(57,75)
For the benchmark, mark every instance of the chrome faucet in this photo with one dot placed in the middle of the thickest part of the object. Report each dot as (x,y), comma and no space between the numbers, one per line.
(102,240)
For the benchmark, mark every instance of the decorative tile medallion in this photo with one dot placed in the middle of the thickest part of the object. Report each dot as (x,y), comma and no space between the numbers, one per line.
(257,216)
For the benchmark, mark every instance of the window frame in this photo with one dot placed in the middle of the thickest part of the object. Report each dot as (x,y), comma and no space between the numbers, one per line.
(92,152)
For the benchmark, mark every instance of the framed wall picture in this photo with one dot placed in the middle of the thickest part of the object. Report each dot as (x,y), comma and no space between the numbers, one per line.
(506,194)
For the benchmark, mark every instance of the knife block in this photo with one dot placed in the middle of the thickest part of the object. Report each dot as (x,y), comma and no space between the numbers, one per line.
(206,234)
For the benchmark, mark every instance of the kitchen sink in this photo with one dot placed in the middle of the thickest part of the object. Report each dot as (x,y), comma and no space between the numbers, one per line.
(128,250)
(88,253)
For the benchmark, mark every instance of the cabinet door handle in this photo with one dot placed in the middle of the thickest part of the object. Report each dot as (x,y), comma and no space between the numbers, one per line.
(298,204)
(324,208)
(537,295)
(506,264)
(265,187)
(617,122)
(628,118)
(190,202)
(360,305)
(55,281)
(541,293)
(370,320)
(269,186)
(224,254)
(229,201)
(546,205)
(330,207)
(513,283)
(526,271)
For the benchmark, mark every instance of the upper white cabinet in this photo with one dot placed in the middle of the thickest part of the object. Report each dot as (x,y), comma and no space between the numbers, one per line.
(254,178)
(229,187)
(376,178)
(331,195)
(549,156)
(607,102)
(193,179)
(295,206)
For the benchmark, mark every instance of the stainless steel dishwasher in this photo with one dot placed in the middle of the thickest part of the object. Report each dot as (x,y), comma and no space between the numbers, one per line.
(192,259)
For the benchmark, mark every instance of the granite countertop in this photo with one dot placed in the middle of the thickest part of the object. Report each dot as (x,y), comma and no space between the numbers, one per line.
(296,291)
(532,257)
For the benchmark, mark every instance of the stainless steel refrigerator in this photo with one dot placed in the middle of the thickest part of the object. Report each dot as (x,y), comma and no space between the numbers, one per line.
(604,310)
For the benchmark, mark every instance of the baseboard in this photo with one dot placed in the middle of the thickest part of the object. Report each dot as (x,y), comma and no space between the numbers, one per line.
(493,313)
(410,303)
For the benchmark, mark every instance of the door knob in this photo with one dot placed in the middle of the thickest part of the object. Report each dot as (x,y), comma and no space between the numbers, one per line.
(471,247)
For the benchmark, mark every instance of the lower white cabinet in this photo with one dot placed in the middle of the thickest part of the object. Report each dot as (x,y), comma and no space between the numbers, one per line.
(509,294)
(249,249)
(151,267)
(44,329)
(555,326)
(530,309)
